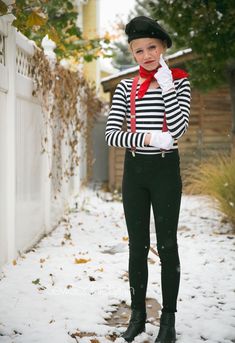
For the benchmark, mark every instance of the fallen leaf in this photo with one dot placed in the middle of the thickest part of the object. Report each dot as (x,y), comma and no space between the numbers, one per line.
(81,260)
(82,334)
(125,238)
(42,288)
(14,262)
(42,260)
(125,276)
(67,236)
(36,282)
(91,278)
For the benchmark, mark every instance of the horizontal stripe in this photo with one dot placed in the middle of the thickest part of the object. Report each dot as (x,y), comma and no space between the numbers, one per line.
(149,115)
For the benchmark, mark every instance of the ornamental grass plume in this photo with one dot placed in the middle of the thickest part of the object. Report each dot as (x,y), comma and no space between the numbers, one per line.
(215,177)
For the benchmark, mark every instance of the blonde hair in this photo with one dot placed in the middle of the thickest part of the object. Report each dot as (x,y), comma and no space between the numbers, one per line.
(164,43)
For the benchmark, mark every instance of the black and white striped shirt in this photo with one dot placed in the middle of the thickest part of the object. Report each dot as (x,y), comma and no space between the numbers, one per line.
(149,115)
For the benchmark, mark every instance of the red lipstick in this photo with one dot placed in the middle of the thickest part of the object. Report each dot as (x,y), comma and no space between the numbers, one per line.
(148,62)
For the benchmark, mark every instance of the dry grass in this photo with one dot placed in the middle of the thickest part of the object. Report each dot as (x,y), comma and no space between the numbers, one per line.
(215,177)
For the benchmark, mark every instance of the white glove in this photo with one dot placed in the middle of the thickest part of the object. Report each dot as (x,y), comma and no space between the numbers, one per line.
(164,76)
(161,140)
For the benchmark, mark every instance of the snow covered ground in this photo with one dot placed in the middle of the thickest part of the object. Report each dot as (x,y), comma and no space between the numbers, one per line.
(72,281)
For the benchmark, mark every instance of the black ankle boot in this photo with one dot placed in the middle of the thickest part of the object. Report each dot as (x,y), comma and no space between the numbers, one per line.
(136,325)
(167,332)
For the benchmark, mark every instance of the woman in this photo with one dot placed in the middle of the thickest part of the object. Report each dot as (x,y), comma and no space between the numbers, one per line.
(157,115)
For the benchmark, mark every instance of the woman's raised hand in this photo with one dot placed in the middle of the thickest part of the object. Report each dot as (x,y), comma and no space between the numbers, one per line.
(162,62)
(164,76)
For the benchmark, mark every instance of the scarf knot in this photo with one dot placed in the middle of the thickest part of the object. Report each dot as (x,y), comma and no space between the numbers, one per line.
(149,76)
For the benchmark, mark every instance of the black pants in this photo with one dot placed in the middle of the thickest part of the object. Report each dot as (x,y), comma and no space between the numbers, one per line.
(152,180)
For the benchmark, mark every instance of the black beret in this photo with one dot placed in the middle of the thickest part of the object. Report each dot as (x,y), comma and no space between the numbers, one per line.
(144,27)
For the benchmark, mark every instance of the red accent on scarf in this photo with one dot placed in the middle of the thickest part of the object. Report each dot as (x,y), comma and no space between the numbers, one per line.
(149,75)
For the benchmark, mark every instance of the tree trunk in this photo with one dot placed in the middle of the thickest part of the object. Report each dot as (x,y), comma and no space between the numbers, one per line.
(231,79)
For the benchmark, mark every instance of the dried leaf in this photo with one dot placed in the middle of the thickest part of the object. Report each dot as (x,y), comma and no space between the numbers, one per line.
(42,288)
(14,262)
(67,88)
(81,260)
(3,8)
(35,19)
(67,236)
(53,35)
(36,282)
(125,238)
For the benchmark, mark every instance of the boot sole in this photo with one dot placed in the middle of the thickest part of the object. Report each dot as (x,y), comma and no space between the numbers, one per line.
(171,341)
(132,339)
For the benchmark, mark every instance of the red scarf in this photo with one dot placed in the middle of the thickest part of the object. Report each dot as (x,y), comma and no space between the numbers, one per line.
(149,75)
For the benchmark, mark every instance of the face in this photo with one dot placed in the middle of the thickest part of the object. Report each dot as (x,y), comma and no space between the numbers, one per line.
(147,51)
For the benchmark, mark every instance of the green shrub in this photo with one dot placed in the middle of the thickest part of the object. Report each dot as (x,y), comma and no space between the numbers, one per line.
(216,178)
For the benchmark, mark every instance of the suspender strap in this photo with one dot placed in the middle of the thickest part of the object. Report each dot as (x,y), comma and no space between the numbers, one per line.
(133,94)
(164,129)
(164,126)
(133,117)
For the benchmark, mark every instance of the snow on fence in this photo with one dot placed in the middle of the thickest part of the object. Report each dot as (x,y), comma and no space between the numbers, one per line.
(27,205)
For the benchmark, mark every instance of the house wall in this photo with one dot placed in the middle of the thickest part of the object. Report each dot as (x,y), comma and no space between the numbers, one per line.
(104,96)
(209,131)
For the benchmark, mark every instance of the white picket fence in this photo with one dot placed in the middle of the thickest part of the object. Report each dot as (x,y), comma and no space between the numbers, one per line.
(27,205)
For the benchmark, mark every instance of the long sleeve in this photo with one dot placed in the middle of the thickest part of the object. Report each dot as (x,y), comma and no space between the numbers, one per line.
(114,134)
(177,108)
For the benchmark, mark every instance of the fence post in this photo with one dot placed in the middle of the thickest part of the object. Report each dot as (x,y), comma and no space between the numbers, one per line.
(10,121)
(48,48)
